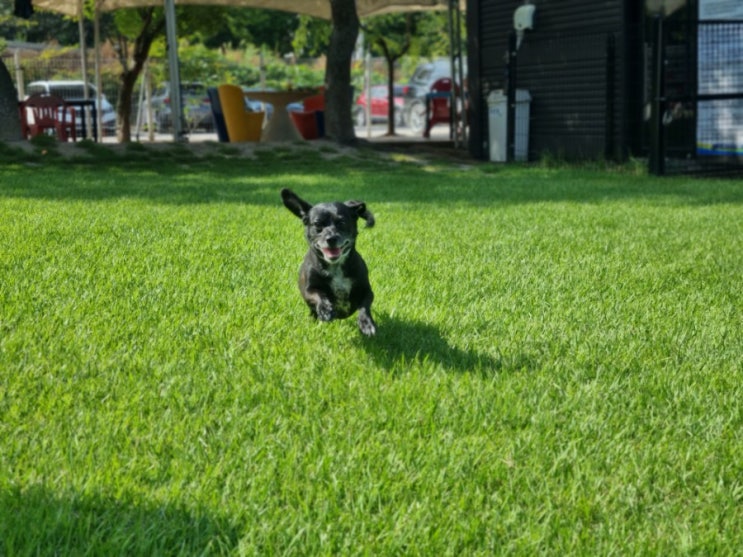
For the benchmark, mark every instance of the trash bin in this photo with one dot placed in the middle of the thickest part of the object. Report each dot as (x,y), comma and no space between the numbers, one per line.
(498,125)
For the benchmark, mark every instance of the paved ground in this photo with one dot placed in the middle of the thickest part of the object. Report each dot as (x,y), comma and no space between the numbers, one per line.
(377,133)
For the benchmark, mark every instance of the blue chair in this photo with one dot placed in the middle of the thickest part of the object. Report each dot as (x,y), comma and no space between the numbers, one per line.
(219,122)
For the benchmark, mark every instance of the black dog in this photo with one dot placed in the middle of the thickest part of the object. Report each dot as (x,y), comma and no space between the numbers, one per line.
(333,278)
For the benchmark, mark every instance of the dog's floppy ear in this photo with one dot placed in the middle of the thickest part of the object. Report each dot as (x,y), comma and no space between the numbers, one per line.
(359,208)
(295,204)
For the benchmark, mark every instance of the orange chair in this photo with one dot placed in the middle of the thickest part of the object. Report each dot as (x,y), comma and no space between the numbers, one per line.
(49,112)
(241,124)
(438,105)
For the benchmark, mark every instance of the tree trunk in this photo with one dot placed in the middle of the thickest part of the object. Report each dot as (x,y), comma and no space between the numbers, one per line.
(10,121)
(338,95)
(151,27)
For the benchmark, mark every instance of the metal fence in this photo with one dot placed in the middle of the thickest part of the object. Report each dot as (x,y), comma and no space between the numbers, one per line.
(697,108)
(28,63)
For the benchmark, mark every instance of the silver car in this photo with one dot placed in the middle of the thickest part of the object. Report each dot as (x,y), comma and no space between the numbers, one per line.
(75,91)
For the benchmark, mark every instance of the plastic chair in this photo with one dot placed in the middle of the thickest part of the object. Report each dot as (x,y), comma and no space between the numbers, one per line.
(241,124)
(23,113)
(49,112)
(438,105)
(219,123)
(310,122)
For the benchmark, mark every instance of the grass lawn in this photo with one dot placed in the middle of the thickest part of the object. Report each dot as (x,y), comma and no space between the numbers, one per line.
(557,368)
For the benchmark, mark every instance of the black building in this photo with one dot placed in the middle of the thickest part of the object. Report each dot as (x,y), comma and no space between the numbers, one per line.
(587,65)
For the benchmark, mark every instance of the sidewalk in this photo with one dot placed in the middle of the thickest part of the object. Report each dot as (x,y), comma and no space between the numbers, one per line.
(377,133)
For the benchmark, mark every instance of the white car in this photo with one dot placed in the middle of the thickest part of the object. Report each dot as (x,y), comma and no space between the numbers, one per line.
(73,91)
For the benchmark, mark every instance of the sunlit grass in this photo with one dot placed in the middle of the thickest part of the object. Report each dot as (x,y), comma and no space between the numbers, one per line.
(557,368)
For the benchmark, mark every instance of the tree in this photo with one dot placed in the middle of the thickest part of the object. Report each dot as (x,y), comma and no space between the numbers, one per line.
(10,130)
(134,32)
(390,35)
(272,29)
(339,124)
(312,36)
(41,27)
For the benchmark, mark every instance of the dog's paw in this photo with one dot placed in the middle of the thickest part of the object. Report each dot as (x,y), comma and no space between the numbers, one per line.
(366,325)
(325,311)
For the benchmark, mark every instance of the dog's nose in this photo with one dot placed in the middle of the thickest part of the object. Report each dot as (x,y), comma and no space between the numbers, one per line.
(333,240)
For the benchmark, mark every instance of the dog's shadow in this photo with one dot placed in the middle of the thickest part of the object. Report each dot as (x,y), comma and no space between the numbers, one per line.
(398,344)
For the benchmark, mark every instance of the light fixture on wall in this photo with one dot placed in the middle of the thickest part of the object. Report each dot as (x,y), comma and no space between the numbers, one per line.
(523,19)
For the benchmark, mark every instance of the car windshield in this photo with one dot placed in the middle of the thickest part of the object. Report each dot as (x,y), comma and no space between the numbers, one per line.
(193,89)
(68,91)
(422,74)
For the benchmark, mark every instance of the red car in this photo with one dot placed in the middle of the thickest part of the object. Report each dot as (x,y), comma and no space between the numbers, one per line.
(379,105)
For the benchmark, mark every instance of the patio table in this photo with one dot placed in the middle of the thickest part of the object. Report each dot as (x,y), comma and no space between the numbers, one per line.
(280,127)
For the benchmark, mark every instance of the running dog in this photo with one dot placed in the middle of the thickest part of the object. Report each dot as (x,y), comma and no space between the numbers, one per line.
(333,278)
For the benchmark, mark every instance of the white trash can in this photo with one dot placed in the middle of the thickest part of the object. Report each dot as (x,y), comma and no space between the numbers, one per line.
(498,125)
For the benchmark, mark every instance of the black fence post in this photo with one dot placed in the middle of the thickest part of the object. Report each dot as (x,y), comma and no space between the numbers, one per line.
(511,99)
(657,155)
(609,139)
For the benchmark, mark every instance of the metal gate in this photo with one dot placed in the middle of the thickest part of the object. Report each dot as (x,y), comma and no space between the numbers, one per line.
(696,112)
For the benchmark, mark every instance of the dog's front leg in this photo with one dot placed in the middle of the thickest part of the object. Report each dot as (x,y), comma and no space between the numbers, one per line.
(366,323)
(319,304)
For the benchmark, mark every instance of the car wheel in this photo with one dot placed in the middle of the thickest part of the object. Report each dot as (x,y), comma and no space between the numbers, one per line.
(359,117)
(399,117)
(417,116)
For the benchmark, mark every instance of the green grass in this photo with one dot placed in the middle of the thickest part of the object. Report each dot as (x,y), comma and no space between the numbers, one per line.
(557,368)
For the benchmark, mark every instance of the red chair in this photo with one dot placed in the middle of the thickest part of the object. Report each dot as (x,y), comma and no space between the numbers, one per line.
(49,112)
(310,122)
(438,105)
(23,113)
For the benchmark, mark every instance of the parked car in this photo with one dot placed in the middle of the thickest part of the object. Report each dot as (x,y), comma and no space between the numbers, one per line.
(197,108)
(425,75)
(75,91)
(379,106)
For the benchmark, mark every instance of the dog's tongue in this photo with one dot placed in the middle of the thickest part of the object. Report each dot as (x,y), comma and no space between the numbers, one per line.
(332,253)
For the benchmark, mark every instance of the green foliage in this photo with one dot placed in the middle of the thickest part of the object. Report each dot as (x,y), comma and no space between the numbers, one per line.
(271,29)
(130,22)
(422,34)
(312,36)
(557,369)
(199,63)
(42,27)
(281,75)
(391,33)
(432,34)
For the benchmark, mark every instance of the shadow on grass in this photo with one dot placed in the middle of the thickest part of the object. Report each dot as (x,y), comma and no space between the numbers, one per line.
(177,175)
(38,522)
(399,344)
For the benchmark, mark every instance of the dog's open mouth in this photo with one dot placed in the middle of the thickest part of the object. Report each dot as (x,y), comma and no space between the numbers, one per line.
(332,254)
